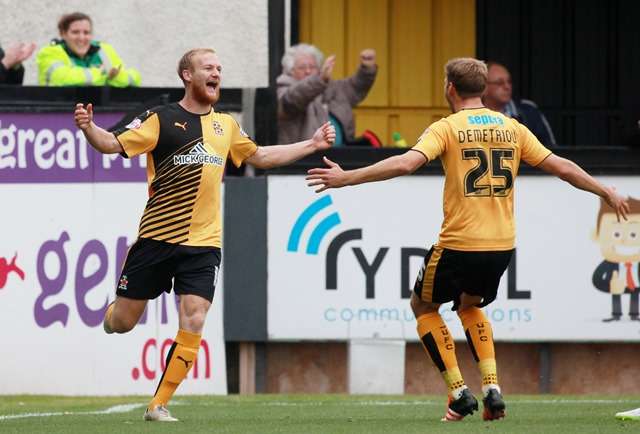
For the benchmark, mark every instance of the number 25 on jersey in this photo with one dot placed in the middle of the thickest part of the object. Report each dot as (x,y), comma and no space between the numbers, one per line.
(495,160)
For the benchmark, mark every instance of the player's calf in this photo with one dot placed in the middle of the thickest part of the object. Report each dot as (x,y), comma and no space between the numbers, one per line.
(123,314)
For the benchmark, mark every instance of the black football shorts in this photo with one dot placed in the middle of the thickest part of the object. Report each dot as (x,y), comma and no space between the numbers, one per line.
(153,267)
(447,273)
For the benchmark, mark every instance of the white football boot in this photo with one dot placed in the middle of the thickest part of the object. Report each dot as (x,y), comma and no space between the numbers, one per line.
(159,414)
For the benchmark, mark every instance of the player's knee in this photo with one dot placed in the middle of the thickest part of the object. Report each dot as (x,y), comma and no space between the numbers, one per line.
(467,301)
(192,312)
(122,324)
(420,307)
(193,321)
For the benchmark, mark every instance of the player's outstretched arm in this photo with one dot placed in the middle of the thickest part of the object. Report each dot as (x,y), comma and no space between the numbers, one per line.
(101,139)
(268,157)
(335,177)
(569,171)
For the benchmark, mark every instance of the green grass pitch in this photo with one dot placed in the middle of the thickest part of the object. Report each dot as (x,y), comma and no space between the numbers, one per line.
(307,414)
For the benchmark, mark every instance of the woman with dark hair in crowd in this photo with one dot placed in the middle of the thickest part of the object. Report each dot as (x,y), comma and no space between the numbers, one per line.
(77,60)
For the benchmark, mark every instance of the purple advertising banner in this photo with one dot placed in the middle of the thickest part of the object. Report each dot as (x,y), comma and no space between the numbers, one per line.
(48,148)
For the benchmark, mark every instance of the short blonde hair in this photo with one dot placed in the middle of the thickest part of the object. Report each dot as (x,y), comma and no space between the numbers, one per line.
(186,60)
(468,75)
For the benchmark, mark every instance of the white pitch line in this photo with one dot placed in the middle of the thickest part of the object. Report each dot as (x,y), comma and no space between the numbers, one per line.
(575,401)
(122,408)
(125,408)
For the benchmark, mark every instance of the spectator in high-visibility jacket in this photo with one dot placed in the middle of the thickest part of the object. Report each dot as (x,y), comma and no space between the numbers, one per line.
(77,60)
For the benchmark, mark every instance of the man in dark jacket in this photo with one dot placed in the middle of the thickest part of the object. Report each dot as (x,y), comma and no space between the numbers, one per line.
(498,97)
(11,69)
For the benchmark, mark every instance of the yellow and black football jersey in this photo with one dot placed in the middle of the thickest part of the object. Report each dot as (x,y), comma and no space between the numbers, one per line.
(480,151)
(186,156)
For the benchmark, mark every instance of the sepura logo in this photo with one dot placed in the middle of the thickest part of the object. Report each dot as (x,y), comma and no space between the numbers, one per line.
(368,267)
(198,155)
(9,267)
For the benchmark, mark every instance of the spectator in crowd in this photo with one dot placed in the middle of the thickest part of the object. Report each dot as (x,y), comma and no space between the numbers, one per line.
(77,60)
(307,97)
(498,97)
(11,69)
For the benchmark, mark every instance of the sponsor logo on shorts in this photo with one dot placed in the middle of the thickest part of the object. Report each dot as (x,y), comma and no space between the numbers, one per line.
(198,155)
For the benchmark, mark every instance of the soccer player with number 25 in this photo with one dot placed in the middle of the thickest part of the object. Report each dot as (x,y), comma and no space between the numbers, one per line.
(480,151)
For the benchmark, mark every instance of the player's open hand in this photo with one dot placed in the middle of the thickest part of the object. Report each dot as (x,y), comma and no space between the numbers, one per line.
(331,177)
(618,202)
(83,116)
(324,136)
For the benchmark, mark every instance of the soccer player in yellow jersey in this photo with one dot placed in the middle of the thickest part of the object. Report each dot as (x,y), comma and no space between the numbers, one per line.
(187,145)
(480,151)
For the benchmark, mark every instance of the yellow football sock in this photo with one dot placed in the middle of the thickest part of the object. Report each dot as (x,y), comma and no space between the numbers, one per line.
(480,339)
(180,359)
(438,343)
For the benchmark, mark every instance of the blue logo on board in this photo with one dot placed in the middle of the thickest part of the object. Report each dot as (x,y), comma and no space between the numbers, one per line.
(319,232)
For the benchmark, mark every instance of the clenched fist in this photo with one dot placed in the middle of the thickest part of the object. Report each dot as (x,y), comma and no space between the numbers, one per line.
(83,116)
(368,57)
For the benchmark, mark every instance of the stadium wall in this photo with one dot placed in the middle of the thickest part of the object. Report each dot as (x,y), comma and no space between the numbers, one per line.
(526,368)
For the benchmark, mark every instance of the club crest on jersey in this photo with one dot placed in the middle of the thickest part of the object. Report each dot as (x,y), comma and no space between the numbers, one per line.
(134,124)
(217,128)
(198,155)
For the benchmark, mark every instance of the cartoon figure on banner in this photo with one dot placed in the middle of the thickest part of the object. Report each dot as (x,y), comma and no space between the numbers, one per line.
(619,273)
(8,267)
